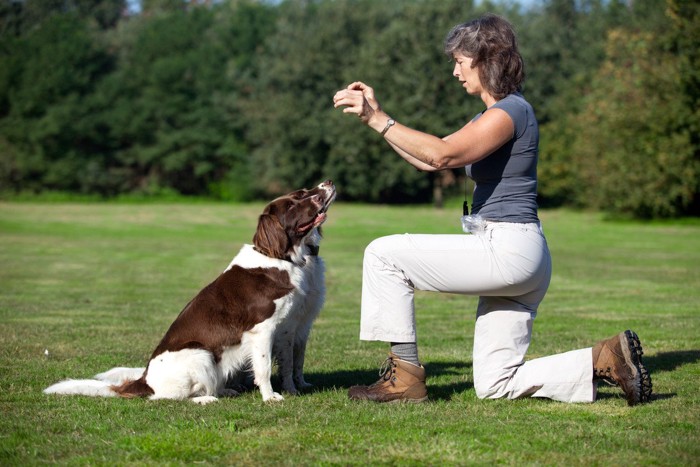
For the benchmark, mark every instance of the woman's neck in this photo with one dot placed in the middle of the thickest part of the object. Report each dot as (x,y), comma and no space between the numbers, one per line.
(488,99)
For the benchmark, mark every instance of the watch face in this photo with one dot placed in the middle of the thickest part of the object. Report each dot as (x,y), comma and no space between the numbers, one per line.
(389,124)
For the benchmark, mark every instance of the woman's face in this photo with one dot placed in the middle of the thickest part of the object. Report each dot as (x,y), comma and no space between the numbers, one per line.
(468,76)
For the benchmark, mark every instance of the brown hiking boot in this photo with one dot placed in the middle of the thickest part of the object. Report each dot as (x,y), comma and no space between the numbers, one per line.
(400,381)
(618,361)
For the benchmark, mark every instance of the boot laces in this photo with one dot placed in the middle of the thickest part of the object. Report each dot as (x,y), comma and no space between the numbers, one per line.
(605,375)
(385,373)
(386,370)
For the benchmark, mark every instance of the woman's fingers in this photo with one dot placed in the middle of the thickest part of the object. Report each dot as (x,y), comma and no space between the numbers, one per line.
(357,98)
(347,97)
(367,91)
(357,85)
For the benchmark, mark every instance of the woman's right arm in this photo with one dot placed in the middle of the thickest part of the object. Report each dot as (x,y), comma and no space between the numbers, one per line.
(467,145)
(418,164)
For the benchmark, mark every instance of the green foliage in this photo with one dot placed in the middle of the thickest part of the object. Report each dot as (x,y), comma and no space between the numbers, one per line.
(47,127)
(233,99)
(394,47)
(21,16)
(166,93)
(145,108)
(630,148)
(635,156)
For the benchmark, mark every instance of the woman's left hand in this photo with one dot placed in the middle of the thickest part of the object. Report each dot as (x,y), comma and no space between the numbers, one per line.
(358,99)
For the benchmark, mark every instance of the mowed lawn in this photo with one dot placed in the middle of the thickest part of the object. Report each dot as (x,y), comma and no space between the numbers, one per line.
(85,287)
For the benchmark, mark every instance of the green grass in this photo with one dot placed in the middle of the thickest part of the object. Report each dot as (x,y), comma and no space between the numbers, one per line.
(98,284)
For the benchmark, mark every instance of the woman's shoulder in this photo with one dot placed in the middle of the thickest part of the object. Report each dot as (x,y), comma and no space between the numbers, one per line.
(519,110)
(515,100)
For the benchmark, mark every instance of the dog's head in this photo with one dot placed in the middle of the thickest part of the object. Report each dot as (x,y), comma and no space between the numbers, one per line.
(291,222)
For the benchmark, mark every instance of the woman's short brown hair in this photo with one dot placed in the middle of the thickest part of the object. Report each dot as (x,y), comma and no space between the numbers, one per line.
(490,42)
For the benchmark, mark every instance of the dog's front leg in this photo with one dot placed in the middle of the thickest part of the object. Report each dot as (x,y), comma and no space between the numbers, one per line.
(313,303)
(284,354)
(261,359)
(299,354)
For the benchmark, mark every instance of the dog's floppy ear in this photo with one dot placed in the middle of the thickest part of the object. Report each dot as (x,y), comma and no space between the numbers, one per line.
(270,238)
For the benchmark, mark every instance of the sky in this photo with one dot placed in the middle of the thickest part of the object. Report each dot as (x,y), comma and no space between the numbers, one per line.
(135,5)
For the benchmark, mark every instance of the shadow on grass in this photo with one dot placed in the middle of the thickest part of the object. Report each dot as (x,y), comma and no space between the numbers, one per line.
(456,372)
(669,361)
(345,379)
(661,362)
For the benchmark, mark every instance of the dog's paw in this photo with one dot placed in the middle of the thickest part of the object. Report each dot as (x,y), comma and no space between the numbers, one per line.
(274,397)
(204,400)
(241,388)
(228,392)
(304,386)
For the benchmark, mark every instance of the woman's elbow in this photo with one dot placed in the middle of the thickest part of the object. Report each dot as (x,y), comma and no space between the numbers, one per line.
(425,168)
(434,161)
(440,163)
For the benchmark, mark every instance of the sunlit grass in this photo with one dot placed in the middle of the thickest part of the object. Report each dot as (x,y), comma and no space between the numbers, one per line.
(97,284)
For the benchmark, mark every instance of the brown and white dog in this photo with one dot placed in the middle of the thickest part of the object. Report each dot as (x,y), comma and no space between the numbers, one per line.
(263,304)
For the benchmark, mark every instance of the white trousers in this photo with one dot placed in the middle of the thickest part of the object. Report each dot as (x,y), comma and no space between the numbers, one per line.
(509,267)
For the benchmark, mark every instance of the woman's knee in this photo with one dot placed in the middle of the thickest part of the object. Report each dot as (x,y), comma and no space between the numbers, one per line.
(379,249)
(493,385)
(383,244)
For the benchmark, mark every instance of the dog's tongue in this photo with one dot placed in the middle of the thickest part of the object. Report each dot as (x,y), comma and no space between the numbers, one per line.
(319,219)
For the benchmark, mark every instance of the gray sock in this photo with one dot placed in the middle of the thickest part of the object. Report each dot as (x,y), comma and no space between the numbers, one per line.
(406,351)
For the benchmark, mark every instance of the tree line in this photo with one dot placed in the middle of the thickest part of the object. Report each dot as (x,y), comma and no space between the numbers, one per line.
(233,99)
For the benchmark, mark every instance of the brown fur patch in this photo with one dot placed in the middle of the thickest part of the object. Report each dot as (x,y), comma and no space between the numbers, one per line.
(137,388)
(218,316)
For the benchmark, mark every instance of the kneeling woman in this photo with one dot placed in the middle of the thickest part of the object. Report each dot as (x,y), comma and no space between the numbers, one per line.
(505,260)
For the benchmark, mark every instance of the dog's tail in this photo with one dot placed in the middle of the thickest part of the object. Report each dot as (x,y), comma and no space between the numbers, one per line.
(120,375)
(135,388)
(84,387)
(124,382)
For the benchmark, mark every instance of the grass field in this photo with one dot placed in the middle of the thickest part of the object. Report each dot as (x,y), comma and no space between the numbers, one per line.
(85,287)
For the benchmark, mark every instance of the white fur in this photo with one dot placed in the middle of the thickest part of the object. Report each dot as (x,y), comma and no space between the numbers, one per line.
(293,334)
(183,374)
(248,258)
(85,387)
(120,375)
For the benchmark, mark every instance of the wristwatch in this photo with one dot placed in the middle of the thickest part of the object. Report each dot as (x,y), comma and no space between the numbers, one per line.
(389,123)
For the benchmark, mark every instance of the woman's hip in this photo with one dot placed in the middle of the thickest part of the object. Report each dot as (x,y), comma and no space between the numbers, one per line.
(497,261)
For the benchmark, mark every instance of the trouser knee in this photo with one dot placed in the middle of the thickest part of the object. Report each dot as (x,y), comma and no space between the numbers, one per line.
(382,245)
(490,388)
(378,252)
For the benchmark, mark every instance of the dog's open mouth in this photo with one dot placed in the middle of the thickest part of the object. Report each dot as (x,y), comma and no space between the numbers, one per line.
(321,215)
(315,222)
(320,218)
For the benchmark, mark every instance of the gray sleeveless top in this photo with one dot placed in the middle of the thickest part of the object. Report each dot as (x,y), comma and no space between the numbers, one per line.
(506,180)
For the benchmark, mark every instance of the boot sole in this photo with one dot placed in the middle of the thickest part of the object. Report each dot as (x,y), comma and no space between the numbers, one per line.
(408,401)
(632,350)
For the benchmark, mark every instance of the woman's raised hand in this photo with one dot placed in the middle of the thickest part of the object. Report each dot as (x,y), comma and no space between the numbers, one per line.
(358,99)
